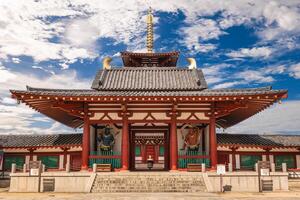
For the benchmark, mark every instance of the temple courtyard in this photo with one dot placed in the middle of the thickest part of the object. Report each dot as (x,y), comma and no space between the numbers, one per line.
(149,196)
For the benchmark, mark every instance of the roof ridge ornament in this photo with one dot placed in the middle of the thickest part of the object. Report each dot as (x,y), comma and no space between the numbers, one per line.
(192,63)
(106,63)
(150,31)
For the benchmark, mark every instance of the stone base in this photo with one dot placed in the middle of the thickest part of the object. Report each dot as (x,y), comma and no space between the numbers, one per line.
(148,182)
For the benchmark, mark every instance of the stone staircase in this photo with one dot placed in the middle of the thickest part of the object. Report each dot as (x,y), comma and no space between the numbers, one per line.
(149,182)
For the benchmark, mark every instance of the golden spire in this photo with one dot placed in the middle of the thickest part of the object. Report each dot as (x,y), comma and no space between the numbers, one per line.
(150,31)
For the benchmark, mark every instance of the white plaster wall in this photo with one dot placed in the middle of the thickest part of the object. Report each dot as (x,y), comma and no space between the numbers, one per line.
(264,157)
(92,138)
(180,139)
(64,182)
(118,141)
(206,132)
(271,158)
(237,161)
(61,161)
(34,157)
(68,158)
(27,159)
(298,161)
(230,159)
(248,181)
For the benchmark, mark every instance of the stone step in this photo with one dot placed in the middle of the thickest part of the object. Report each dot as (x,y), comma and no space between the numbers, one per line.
(164,182)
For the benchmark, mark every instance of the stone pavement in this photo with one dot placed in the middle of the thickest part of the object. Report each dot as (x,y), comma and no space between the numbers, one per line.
(150,196)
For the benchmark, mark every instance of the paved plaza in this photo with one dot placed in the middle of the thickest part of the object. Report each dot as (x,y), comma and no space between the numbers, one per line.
(149,196)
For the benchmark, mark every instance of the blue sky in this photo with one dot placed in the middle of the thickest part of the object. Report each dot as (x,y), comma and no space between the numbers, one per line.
(238,44)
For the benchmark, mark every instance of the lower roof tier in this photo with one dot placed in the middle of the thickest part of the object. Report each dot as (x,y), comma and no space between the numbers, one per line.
(67,106)
(224,139)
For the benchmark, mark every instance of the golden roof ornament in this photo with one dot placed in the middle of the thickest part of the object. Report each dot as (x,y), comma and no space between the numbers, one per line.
(192,63)
(106,63)
(150,31)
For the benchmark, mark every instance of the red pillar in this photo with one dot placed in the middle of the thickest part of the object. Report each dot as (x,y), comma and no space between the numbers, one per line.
(233,158)
(125,144)
(173,144)
(85,143)
(213,142)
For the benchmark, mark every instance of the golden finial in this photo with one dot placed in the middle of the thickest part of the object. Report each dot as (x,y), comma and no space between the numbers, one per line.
(150,31)
(192,63)
(106,63)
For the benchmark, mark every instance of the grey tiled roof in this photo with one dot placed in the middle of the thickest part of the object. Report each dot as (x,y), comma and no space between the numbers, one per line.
(76,139)
(40,140)
(204,92)
(259,140)
(150,79)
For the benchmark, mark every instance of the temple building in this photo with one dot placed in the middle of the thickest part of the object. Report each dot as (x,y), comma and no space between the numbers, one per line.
(150,108)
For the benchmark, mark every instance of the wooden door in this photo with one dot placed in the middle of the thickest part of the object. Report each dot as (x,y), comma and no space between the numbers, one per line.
(223,159)
(75,162)
(150,151)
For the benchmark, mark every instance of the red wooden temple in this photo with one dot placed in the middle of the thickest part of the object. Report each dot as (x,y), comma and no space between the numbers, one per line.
(151,107)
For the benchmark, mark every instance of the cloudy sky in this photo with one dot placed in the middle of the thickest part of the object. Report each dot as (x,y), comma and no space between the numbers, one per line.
(238,44)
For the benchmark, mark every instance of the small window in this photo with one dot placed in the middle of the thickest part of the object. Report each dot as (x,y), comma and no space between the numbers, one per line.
(137,150)
(49,161)
(288,159)
(161,150)
(249,161)
(9,160)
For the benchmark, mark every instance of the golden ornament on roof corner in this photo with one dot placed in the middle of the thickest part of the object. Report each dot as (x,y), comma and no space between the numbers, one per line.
(192,63)
(106,63)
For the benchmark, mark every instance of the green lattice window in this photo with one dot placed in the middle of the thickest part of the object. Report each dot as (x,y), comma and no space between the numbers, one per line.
(137,150)
(49,161)
(288,159)
(248,161)
(161,150)
(9,160)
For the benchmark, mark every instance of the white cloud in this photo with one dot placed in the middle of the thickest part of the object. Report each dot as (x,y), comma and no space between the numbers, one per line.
(200,31)
(254,76)
(294,70)
(227,84)
(81,33)
(20,119)
(43,69)
(280,19)
(255,52)
(215,73)
(280,118)
(16,60)
(5,75)
(7,100)
(276,69)
(25,28)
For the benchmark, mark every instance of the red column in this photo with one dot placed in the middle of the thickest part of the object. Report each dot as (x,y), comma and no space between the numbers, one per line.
(213,142)
(125,144)
(85,143)
(173,144)
(233,158)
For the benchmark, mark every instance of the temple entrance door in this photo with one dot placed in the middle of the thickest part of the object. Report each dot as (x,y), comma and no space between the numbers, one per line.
(150,151)
(147,144)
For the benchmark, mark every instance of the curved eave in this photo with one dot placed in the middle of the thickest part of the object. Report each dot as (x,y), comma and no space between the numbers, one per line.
(42,100)
(253,107)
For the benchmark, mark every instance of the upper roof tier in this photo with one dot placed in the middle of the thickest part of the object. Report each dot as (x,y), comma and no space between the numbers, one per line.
(149,79)
(168,59)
